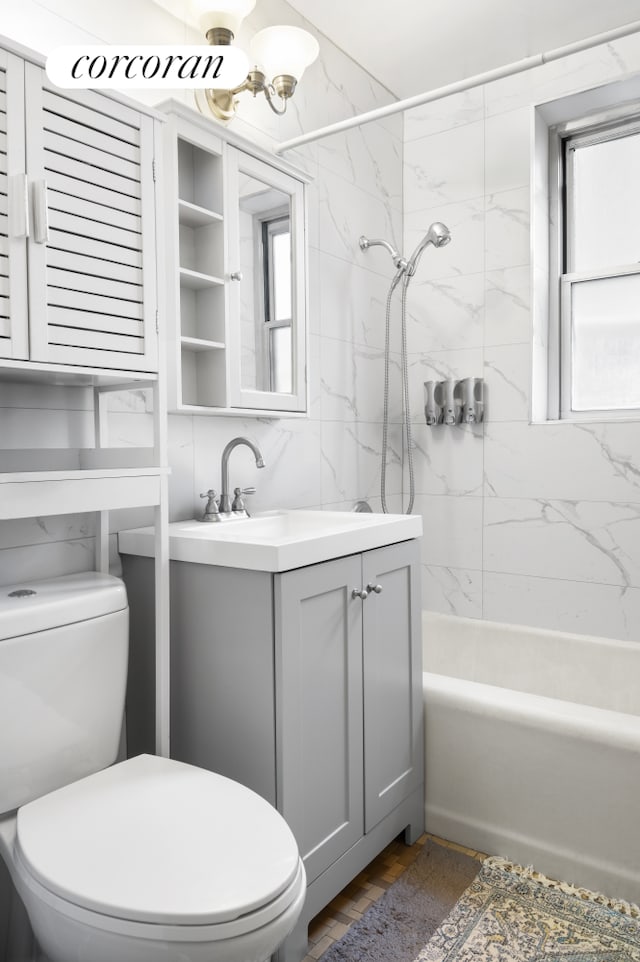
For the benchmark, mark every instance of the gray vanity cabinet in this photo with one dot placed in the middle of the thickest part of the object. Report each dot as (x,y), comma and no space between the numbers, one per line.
(306,686)
(349,719)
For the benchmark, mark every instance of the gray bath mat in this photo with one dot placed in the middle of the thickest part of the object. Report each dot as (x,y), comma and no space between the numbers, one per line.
(397,926)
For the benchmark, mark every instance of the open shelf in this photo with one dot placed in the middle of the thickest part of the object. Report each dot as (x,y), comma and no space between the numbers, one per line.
(192,215)
(200,176)
(74,491)
(203,378)
(41,372)
(200,344)
(202,313)
(222,411)
(198,281)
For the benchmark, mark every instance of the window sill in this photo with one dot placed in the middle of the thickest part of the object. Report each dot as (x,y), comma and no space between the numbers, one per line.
(632,419)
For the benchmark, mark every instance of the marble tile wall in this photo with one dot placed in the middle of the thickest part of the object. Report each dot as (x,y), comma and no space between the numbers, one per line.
(330,459)
(531,523)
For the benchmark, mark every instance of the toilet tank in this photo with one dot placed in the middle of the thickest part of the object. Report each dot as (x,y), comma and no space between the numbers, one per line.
(63,673)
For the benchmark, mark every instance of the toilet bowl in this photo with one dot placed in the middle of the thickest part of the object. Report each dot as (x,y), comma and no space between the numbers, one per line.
(147,860)
(153,859)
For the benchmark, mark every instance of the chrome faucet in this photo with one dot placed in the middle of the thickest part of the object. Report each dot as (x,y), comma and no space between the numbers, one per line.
(226,507)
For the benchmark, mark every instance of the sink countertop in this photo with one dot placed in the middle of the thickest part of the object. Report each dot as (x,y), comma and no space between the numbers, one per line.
(275,540)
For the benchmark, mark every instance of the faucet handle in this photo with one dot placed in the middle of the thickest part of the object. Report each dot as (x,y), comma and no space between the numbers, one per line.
(238,504)
(211,511)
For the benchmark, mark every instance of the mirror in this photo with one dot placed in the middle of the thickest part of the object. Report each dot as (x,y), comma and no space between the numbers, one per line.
(267,259)
(266,292)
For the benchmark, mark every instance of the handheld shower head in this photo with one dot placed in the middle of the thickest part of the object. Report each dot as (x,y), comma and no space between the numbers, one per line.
(438,234)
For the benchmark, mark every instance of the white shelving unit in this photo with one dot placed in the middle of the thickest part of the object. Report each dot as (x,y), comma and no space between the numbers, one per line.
(204,167)
(99,480)
(201,308)
(79,271)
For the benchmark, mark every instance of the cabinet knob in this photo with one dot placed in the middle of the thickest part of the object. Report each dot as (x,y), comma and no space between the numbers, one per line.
(236,275)
(362,593)
(376,588)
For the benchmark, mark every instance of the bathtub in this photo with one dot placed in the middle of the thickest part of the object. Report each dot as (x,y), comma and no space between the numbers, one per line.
(533,748)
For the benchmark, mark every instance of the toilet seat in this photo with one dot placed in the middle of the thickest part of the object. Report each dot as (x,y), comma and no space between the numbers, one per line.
(153,843)
(288,903)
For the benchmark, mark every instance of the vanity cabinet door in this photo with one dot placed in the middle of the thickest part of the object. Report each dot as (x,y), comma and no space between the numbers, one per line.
(14,341)
(318,639)
(392,659)
(92,249)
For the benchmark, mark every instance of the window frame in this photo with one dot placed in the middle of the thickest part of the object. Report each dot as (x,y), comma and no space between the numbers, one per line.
(277,221)
(572,135)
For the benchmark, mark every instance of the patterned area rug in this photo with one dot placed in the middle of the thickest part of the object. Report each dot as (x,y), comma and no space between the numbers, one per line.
(512,914)
(395,928)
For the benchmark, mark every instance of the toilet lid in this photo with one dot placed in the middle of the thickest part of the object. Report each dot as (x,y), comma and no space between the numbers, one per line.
(154,840)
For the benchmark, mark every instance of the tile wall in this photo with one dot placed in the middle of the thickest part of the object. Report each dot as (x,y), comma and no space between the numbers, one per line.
(531,523)
(332,458)
(329,460)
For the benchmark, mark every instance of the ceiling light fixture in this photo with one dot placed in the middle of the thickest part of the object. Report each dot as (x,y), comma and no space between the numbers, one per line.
(280,55)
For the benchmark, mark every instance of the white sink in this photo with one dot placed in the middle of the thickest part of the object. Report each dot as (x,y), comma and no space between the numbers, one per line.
(276,540)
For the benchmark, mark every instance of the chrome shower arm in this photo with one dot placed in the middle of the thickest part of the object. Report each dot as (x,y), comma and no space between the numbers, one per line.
(365,243)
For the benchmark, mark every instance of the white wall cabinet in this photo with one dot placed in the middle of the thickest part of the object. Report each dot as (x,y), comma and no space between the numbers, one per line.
(78,280)
(308,694)
(237,343)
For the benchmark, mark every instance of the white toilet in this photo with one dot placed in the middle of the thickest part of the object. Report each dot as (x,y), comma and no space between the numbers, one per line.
(148,860)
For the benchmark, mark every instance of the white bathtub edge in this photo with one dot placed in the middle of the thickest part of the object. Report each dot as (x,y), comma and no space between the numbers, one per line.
(601,725)
(479,626)
(485,838)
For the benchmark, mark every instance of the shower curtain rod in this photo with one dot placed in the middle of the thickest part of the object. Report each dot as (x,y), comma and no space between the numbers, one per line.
(518,66)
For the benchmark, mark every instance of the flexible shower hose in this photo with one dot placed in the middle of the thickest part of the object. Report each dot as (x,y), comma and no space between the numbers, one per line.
(406,412)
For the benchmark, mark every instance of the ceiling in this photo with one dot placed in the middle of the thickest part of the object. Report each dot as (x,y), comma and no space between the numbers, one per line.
(427,45)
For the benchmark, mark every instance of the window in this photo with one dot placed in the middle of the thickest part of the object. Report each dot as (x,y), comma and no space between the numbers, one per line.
(276,245)
(595,282)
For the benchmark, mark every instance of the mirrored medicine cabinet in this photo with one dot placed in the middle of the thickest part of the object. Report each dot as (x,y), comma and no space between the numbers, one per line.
(236,273)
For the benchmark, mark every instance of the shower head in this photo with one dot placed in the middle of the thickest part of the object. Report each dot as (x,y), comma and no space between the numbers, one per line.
(438,234)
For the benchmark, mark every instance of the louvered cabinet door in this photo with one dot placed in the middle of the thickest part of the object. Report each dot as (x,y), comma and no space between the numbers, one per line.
(13,211)
(92,250)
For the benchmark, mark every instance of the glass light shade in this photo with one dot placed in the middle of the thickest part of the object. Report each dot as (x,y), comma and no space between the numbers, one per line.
(221,13)
(284,50)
